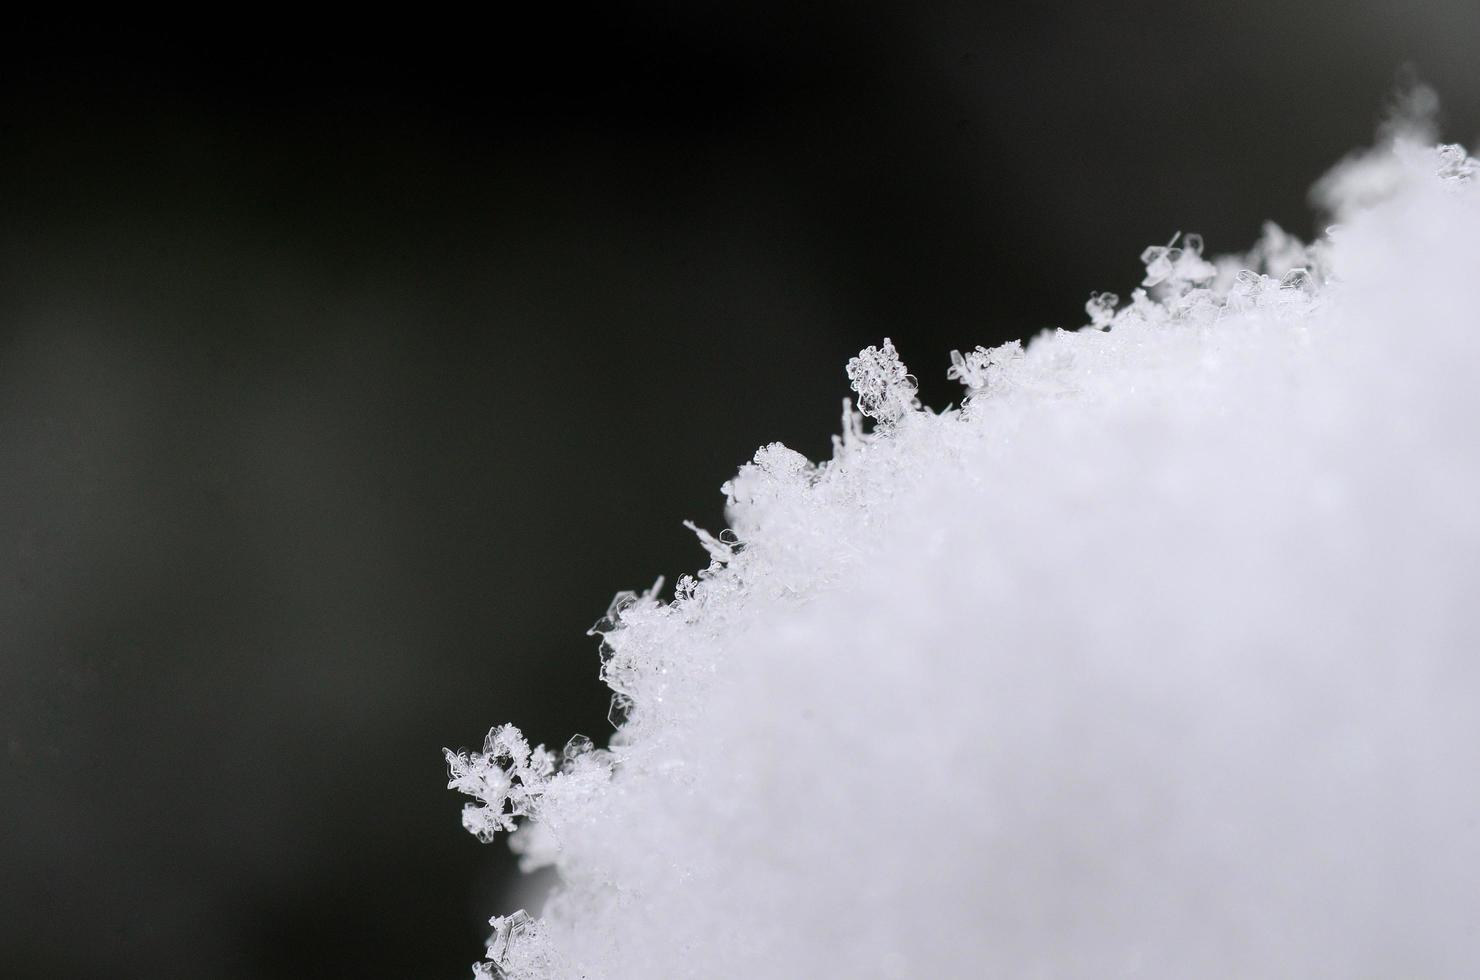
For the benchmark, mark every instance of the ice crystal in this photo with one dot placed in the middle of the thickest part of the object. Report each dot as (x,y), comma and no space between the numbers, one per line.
(505,778)
(1181,268)
(886,391)
(1157,657)
(982,367)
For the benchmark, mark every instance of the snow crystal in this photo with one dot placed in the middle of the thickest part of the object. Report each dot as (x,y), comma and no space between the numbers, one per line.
(1158,657)
(982,367)
(886,391)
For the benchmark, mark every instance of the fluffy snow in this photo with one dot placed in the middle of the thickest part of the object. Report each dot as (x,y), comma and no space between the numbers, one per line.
(1158,657)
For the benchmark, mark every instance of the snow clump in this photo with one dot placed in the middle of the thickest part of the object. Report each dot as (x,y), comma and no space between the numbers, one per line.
(1159,656)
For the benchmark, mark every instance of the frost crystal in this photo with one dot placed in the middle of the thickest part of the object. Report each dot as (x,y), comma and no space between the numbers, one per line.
(1179,267)
(982,367)
(506,778)
(1158,657)
(886,391)
(1101,309)
(1455,164)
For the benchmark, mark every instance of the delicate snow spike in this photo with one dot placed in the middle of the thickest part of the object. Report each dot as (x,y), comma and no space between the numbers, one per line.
(720,551)
(886,391)
(611,620)
(852,427)
(968,369)
(1158,260)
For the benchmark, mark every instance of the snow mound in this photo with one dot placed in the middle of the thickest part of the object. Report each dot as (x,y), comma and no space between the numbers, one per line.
(1157,657)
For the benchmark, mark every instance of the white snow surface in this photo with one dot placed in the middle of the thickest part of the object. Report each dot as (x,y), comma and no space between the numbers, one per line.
(1158,657)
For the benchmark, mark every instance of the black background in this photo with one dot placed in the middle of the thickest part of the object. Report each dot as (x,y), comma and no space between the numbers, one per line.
(347,369)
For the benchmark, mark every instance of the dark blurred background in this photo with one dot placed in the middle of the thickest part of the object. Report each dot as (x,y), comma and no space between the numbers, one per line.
(347,372)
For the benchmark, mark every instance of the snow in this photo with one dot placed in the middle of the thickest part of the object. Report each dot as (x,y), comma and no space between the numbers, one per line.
(1157,657)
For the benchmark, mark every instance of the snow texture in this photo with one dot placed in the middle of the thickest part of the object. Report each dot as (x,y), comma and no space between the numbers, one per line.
(1157,657)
